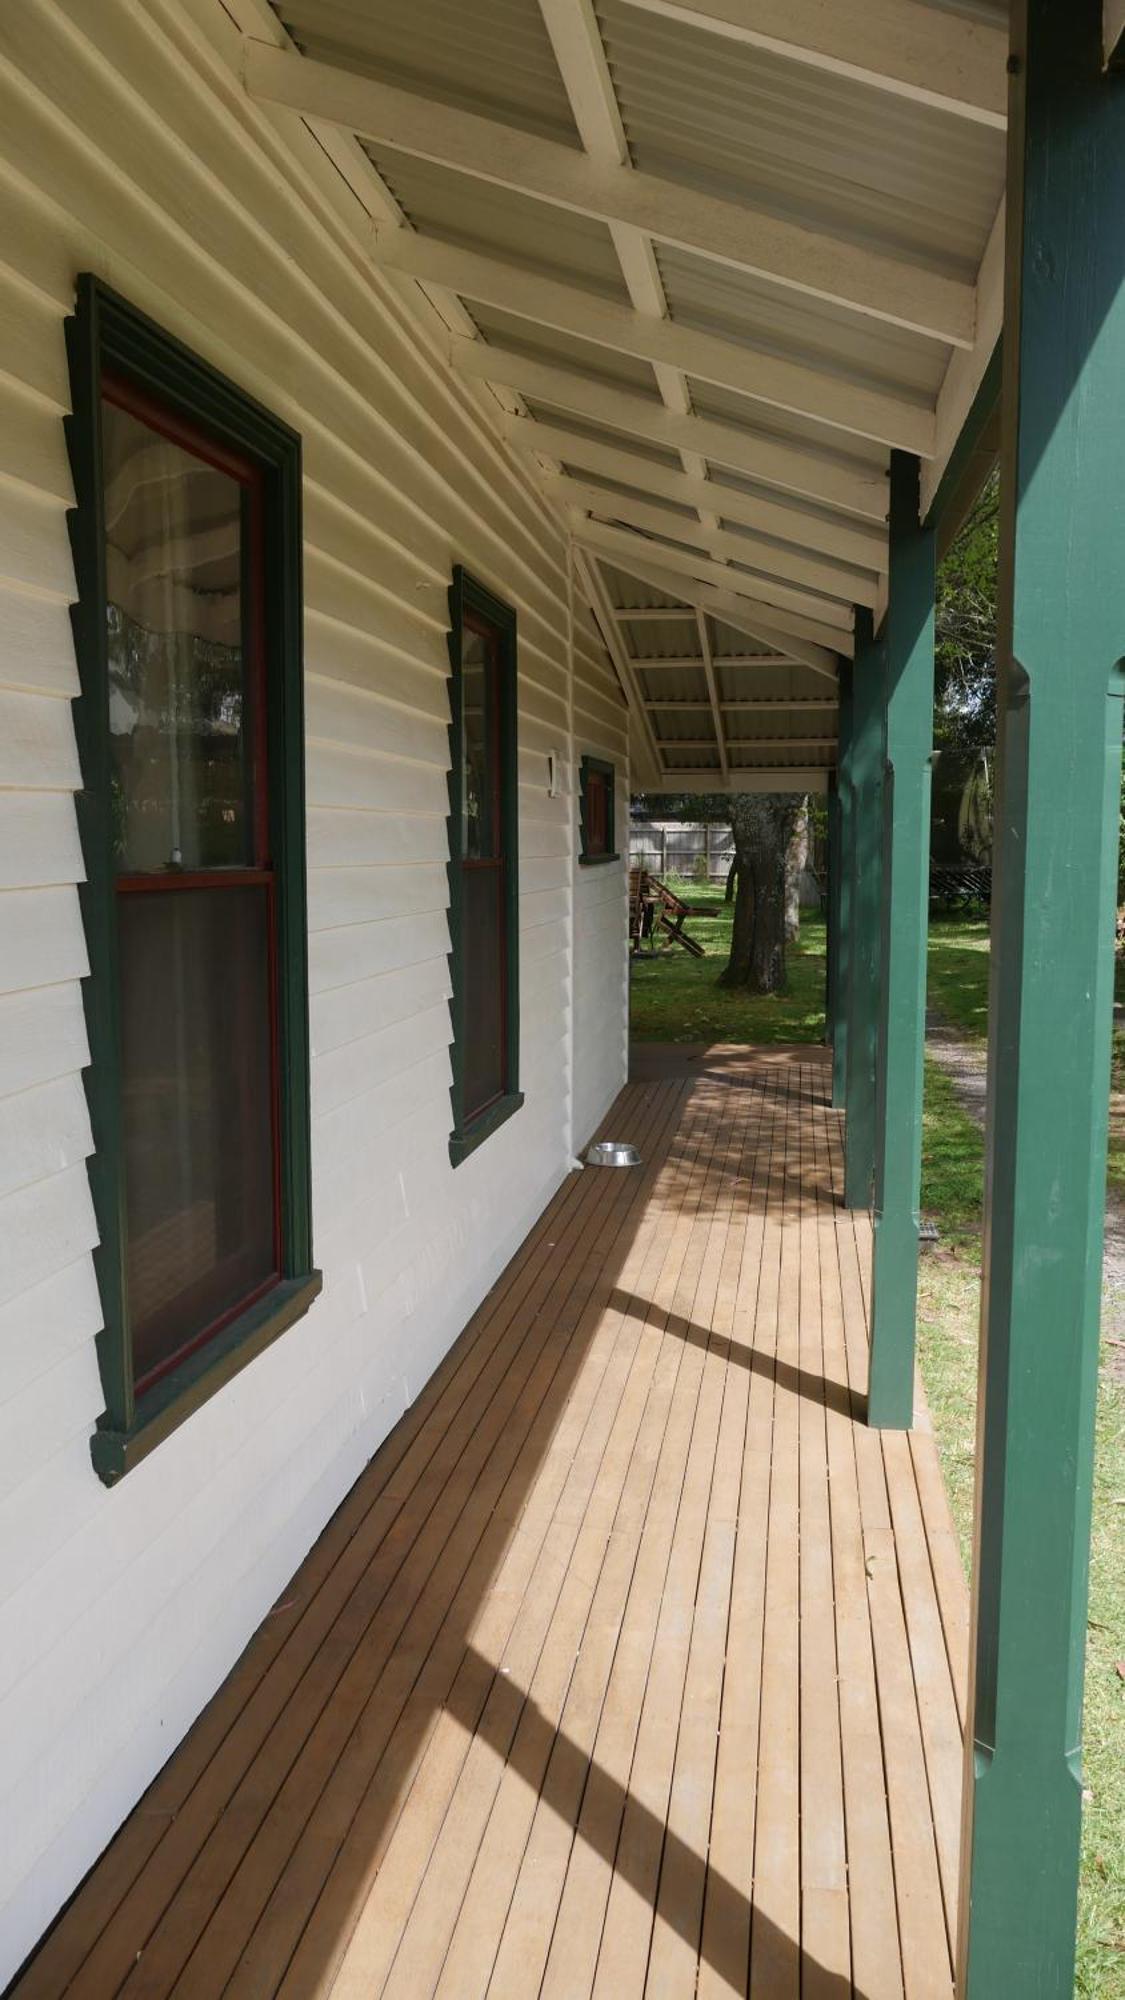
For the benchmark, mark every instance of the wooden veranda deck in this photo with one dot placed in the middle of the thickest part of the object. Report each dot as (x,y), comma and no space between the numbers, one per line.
(634,1663)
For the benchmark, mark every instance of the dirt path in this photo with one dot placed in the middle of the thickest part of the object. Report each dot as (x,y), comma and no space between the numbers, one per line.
(965,1064)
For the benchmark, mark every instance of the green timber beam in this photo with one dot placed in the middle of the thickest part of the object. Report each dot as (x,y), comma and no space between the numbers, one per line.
(1060,644)
(845,827)
(864,911)
(909,695)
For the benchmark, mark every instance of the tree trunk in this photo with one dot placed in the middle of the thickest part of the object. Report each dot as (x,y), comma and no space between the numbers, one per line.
(738,966)
(762,824)
(796,860)
(732,874)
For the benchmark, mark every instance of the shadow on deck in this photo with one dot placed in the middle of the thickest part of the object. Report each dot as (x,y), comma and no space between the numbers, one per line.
(633,1664)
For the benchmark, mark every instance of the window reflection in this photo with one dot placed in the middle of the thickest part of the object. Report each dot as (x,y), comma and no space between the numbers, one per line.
(179,727)
(478,790)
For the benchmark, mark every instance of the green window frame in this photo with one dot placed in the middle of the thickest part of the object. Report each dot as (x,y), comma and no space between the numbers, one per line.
(592,851)
(473,608)
(107,336)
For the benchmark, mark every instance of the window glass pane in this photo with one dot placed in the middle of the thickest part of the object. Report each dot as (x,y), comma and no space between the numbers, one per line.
(479,776)
(597,813)
(196,1110)
(179,726)
(482,916)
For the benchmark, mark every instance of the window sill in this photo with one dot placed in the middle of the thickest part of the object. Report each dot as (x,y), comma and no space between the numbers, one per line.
(596,860)
(179,1394)
(466,1141)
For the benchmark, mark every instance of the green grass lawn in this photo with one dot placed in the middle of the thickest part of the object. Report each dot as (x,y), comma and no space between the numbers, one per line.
(675,998)
(958,973)
(958,991)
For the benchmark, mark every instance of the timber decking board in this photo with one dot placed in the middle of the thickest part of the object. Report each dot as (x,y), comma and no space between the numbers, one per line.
(632,1665)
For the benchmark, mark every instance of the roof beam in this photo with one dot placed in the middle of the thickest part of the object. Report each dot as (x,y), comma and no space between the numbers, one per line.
(966,372)
(576,39)
(943,60)
(803,259)
(829,625)
(1114,33)
(850,586)
(768,378)
(772,628)
(670,744)
(755,702)
(747,778)
(651,614)
(606,615)
(792,467)
(723,659)
(712,688)
(848,541)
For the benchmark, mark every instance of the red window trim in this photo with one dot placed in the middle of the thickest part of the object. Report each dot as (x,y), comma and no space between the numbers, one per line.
(168,422)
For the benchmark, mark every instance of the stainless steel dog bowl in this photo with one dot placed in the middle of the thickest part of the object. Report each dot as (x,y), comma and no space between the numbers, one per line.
(612,1153)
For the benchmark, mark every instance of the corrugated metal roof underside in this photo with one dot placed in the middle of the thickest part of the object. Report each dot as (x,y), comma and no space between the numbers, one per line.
(641,448)
(740,307)
(740,121)
(845,577)
(729,406)
(564,350)
(756,129)
(670,678)
(503,223)
(489,56)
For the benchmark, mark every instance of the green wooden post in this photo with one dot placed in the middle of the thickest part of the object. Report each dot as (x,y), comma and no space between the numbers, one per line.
(1062,635)
(845,825)
(831,912)
(909,696)
(866,875)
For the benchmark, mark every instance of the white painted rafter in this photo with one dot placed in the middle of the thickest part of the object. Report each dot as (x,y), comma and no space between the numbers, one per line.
(725,659)
(575,37)
(845,404)
(744,778)
(671,745)
(712,688)
(812,261)
(942,59)
(773,702)
(656,614)
(606,615)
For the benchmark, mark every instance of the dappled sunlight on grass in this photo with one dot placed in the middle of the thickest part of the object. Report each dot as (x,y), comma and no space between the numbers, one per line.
(675,998)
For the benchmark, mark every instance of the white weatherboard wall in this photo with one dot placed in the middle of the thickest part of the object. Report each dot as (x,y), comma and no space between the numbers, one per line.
(601,910)
(128,147)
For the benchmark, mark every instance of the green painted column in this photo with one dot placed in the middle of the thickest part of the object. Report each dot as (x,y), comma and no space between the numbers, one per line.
(843,891)
(1061,641)
(865,875)
(909,698)
(831,912)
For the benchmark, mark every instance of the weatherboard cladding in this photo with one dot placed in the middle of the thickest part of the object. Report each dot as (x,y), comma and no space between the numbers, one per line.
(120,1611)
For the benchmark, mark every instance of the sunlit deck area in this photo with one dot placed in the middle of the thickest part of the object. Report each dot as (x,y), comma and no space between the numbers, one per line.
(633,1664)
